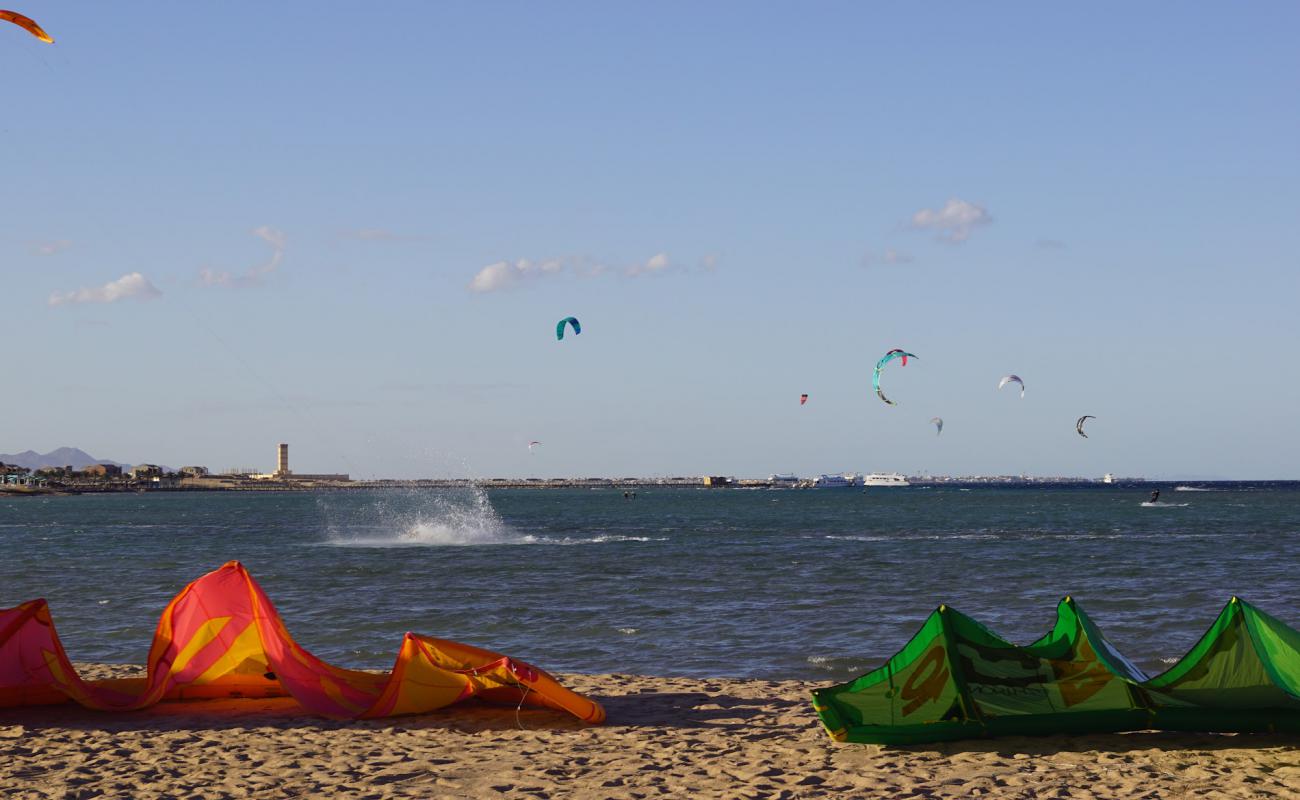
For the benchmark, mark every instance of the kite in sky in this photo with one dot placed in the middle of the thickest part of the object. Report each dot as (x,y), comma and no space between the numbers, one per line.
(937,422)
(1078,426)
(880,365)
(559,327)
(1013,379)
(900,352)
(26,23)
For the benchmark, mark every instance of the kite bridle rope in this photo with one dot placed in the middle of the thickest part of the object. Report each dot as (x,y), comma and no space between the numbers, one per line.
(520,707)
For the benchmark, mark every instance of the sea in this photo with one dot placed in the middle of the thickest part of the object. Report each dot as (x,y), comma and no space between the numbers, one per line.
(766,583)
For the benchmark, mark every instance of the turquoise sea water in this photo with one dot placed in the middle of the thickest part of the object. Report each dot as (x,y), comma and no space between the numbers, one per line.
(772,584)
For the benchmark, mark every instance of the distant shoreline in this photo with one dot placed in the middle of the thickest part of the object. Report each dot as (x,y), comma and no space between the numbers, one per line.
(616,484)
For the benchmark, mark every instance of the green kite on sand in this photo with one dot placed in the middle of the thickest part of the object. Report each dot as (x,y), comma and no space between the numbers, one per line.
(957,680)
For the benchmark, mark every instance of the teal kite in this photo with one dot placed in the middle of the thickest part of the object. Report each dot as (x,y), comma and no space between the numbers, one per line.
(875,377)
(559,327)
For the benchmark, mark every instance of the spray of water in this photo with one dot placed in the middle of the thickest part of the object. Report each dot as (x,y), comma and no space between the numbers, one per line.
(420,519)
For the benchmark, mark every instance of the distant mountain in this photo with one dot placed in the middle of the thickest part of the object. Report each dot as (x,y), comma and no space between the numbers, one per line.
(63,457)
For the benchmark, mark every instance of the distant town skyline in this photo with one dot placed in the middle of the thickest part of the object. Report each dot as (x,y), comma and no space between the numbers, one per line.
(228,234)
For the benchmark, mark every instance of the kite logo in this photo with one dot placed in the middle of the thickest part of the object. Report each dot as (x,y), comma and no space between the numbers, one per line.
(1082,678)
(918,692)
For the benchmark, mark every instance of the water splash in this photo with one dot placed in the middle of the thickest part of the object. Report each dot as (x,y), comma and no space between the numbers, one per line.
(443,518)
(422,519)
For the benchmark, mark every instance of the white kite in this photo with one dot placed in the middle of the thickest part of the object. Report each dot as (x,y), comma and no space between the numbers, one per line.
(1012,379)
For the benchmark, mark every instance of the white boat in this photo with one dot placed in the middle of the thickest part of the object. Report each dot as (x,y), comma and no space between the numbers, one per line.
(848,480)
(885,479)
(1108,478)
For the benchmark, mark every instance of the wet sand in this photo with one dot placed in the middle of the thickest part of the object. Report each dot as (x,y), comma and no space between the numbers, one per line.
(666,737)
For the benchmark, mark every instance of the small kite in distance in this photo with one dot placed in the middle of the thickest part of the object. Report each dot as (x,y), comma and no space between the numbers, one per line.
(803,398)
(1078,426)
(531,445)
(1013,379)
(559,327)
(26,23)
(937,422)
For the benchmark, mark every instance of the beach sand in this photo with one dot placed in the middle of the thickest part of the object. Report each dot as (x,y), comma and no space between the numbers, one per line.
(666,737)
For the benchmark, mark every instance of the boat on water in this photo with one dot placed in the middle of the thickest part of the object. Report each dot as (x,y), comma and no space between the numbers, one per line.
(1108,478)
(885,479)
(848,480)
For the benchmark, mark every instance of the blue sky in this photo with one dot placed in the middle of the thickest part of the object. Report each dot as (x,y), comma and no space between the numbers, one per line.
(223,226)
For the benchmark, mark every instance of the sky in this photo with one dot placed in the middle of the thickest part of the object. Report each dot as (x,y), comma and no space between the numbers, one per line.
(223,226)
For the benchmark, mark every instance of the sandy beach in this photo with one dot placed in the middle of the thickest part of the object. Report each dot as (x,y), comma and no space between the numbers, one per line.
(666,737)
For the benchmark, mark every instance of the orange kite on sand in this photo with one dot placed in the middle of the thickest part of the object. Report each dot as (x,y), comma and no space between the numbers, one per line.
(26,23)
(221,637)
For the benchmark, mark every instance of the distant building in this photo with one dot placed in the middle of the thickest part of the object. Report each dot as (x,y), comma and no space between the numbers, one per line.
(102,471)
(716,481)
(194,472)
(146,471)
(283,473)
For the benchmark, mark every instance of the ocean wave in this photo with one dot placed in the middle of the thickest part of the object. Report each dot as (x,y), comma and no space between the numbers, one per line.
(598,539)
(836,664)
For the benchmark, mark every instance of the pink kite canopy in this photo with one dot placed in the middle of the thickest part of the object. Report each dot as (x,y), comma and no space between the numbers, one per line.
(222,637)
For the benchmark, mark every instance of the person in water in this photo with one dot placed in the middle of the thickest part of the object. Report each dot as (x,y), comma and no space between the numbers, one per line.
(1155,496)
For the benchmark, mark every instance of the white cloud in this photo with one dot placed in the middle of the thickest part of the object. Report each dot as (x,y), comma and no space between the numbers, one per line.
(504,274)
(508,274)
(132,285)
(656,263)
(50,248)
(954,222)
(254,275)
(493,277)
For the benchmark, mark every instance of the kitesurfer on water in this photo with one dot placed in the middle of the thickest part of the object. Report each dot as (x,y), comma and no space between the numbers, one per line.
(1155,496)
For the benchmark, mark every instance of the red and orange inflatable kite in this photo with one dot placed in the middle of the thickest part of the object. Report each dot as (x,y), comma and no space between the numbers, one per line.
(26,23)
(221,637)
